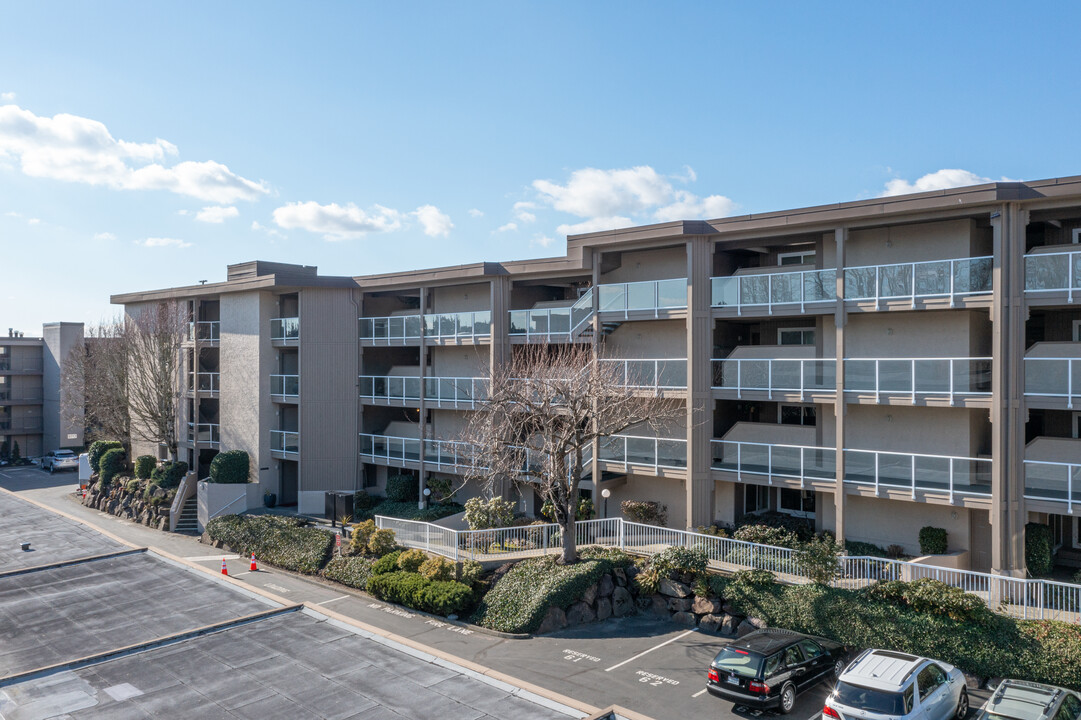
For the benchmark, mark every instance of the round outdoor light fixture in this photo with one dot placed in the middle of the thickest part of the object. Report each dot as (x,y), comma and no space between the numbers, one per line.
(606,493)
(427,492)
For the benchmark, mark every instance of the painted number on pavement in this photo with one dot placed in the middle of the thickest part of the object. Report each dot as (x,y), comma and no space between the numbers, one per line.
(655,680)
(573,656)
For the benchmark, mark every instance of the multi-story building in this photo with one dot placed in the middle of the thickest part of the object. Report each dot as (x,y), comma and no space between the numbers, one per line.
(32,400)
(874,366)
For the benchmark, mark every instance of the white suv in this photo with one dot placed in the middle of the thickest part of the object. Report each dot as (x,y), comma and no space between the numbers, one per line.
(881,685)
(60,460)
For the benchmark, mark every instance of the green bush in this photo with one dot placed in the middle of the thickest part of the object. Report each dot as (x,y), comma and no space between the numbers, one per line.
(932,597)
(410,511)
(362,533)
(411,560)
(230,467)
(275,540)
(437,569)
(714,530)
(99,448)
(1038,544)
(381,542)
(351,571)
(481,514)
(819,559)
(362,502)
(680,559)
(519,600)
(932,541)
(1044,651)
(645,511)
(767,535)
(386,564)
(111,464)
(802,528)
(402,488)
(470,572)
(442,488)
(865,549)
(415,591)
(445,597)
(397,586)
(648,581)
(132,486)
(144,465)
(753,578)
(169,474)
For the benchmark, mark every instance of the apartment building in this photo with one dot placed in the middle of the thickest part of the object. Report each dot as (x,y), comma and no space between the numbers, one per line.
(873,366)
(32,402)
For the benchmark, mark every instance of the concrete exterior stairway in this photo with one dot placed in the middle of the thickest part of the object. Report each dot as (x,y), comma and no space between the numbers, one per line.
(188,523)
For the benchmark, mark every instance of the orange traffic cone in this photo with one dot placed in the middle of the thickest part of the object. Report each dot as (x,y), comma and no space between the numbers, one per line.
(224,570)
(254,567)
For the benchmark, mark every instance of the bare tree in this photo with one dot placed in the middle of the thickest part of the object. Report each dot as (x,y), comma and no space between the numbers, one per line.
(154,336)
(97,371)
(545,409)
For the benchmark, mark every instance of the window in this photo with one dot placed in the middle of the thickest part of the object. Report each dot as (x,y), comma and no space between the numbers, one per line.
(1075,235)
(796,336)
(1070,708)
(792,656)
(800,503)
(755,499)
(773,664)
(797,415)
(928,681)
(802,257)
(1077,330)
(811,649)
(908,697)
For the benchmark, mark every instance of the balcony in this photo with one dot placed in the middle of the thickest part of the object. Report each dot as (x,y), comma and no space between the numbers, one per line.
(204,331)
(204,434)
(1053,473)
(1053,375)
(786,289)
(205,383)
(554,324)
(787,378)
(638,454)
(397,329)
(442,391)
(20,366)
(285,386)
(285,331)
(284,443)
(659,375)
(642,300)
(21,397)
(458,327)
(1056,275)
(30,426)
(871,469)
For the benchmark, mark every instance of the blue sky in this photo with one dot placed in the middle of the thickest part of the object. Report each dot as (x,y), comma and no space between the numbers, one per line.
(146,145)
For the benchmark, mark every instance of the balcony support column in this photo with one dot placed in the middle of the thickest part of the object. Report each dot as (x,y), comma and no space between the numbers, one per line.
(422,373)
(840,407)
(700,486)
(595,322)
(1007,396)
(499,349)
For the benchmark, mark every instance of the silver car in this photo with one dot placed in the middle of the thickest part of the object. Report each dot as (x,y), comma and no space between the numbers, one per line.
(887,685)
(60,460)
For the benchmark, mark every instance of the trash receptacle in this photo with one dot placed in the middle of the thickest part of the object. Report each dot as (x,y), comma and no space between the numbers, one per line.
(338,504)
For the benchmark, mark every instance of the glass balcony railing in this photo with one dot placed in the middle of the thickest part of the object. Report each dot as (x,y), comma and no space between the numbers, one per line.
(390,387)
(204,433)
(659,374)
(647,295)
(285,329)
(448,454)
(204,382)
(285,385)
(28,426)
(20,365)
(943,377)
(443,326)
(933,473)
(782,375)
(801,288)
(648,451)
(17,396)
(387,447)
(398,327)
(1053,481)
(1054,377)
(408,389)
(930,279)
(284,441)
(553,323)
(204,330)
(1053,272)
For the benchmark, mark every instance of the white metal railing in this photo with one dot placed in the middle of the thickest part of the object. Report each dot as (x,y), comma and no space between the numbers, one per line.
(396,327)
(204,433)
(1054,377)
(1016,597)
(187,488)
(1053,272)
(208,330)
(941,377)
(927,279)
(285,385)
(390,447)
(653,295)
(553,324)
(204,382)
(459,390)
(285,328)
(801,287)
(934,473)
(447,455)
(1057,481)
(285,441)
(639,450)
(658,374)
(457,325)
(779,375)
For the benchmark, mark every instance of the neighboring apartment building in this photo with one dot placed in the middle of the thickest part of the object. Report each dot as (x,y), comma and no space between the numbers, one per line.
(875,366)
(31,397)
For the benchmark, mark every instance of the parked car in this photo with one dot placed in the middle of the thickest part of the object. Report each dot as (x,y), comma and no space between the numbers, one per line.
(1023,700)
(887,685)
(768,668)
(60,460)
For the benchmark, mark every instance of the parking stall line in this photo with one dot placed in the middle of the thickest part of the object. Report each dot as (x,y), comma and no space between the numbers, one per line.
(699,693)
(646,652)
(341,597)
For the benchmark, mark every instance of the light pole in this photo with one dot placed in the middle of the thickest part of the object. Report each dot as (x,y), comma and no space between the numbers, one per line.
(606,493)
(427,494)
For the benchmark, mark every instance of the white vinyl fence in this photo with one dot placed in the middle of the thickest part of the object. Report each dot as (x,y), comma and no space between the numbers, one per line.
(1017,597)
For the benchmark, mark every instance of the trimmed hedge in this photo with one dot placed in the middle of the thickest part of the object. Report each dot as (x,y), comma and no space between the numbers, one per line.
(865,549)
(1038,544)
(645,511)
(99,448)
(933,541)
(169,474)
(520,599)
(410,511)
(362,502)
(932,596)
(442,597)
(351,571)
(111,464)
(276,540)
(230,467)
(411,560)
(403,489)
(998,646)
(144,466)
(387,564)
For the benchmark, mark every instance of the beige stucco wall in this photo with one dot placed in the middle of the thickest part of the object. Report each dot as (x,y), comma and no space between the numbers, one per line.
(927,333)
(458,298)
(911,243)
(459,361)
(246,361)
(647,339)
(667,491)
(886,522)
(925,431)
(649,265)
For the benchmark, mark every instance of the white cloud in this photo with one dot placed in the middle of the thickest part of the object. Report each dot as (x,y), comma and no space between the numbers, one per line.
(33,221)
(337,222)
(595,225)
(7,96)
(104,236)
(12,213)
(687,206)
(521,211)
(77,149)
(507,228)
(939,180)
(434,222)
(216,214)
(475,213)
(255,226)
(542,240)
(155,242)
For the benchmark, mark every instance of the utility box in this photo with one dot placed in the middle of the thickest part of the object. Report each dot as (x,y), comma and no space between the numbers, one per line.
(84,469)
(337,505)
